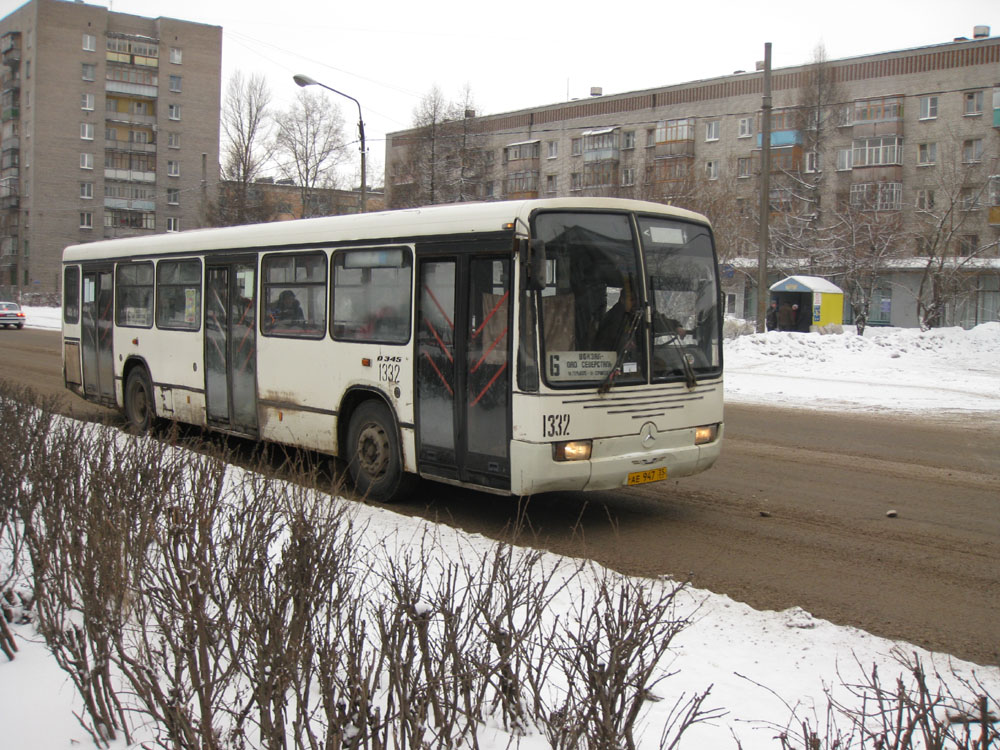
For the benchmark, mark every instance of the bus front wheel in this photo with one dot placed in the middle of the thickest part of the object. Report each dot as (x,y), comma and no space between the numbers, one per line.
(139,408)
(375,460)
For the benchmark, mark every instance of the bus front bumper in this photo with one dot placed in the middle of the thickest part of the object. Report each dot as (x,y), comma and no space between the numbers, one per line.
(614,462)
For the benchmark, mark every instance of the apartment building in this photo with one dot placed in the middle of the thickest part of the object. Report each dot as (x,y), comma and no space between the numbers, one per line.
(110,128)
(910,136)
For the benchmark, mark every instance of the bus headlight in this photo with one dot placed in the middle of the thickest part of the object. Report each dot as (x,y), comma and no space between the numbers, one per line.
(706,434)
(572,450)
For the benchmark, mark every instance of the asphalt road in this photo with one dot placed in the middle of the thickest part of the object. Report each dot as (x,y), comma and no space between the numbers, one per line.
(794,513)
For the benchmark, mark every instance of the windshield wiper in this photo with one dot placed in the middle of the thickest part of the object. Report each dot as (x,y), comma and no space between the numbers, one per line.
(689,376)
(629,323)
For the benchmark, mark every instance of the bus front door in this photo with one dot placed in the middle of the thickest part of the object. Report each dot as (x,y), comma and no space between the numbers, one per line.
(231,346)
(463,372)
(97,327)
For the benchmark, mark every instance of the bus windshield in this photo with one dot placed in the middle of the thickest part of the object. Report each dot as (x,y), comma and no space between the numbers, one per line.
(593,311)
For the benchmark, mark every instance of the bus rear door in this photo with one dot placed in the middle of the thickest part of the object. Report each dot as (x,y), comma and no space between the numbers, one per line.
(96,335)
(231,345)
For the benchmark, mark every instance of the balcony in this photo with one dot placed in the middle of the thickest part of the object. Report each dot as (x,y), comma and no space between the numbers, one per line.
(128,175)
(10,113)
(128,118)
(131,89)
(10,48)
(10,82)
(130,146)
(129,205)
(780,138)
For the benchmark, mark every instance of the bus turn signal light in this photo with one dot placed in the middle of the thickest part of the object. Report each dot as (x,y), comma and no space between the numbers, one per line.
(572,450)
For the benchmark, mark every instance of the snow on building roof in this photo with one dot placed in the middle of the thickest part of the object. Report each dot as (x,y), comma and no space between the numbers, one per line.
(806,284)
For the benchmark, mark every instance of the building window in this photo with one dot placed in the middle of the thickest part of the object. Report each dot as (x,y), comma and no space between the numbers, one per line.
(174,111)
(668,131)
(86,220)
(576,181)
(576,146)
(972,150)
(973,103)
(89,71)
(176,55)
(173,196)
(628,176)
(86,190)
(628,139)
(87,102)
(87,131)
(928,107)
(90,42)
(173,140)
(844,159)
(969,199)
(926,154)
(743,166)
(712,130)
(878,110)
(173,224)
(650,138)
(712,169)
(746,127)
(812,161)
(877,196)
(517,151)
(86,161)
(175,84)
(925,200)
(877,151)
(173,169)
(551,183)
(968,244)
(553,149)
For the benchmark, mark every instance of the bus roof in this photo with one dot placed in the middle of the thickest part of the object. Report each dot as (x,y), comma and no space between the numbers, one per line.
(399,225)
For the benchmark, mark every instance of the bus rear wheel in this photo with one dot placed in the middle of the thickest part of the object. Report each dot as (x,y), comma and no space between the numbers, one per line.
(139,408)
(375,460)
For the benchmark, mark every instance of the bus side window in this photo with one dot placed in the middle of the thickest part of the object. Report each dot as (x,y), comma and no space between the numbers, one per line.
(71,295)
(134,295)
(294,295)
(178,294)
(372,295)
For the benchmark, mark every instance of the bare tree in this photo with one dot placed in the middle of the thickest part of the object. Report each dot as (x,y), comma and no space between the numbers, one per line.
(865,243)
(248,145)
(444,161)
(948,222)
(311,145)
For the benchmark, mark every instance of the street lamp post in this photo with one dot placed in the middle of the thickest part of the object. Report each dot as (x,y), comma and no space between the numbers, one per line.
(303,80)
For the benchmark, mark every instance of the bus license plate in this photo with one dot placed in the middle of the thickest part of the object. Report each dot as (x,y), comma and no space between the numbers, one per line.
(650,475)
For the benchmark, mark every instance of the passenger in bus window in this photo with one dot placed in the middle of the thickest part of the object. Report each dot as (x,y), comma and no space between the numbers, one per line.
(288,311)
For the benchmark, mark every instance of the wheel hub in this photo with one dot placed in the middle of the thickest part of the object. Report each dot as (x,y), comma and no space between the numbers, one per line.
(373,450)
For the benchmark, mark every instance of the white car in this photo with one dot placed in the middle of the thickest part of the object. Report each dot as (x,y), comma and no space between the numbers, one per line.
(11,314)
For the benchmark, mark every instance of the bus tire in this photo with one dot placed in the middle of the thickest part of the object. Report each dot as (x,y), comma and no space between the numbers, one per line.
(374,457)
(140,410)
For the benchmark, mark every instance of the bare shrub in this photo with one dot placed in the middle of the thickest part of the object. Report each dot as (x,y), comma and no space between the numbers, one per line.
(609,651)
(917,709)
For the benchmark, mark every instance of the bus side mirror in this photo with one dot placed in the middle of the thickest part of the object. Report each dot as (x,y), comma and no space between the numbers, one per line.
(536,265)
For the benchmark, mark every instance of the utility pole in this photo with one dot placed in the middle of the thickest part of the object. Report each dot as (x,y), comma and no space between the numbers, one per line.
(765,192)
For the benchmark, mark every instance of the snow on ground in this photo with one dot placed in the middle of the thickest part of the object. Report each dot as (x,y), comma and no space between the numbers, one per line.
(945,370)
(729,645)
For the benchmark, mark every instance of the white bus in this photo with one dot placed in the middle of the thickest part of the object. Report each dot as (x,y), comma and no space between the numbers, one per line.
(515,347)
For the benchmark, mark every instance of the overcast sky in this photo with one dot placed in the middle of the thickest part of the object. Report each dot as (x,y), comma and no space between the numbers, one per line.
(515,54)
